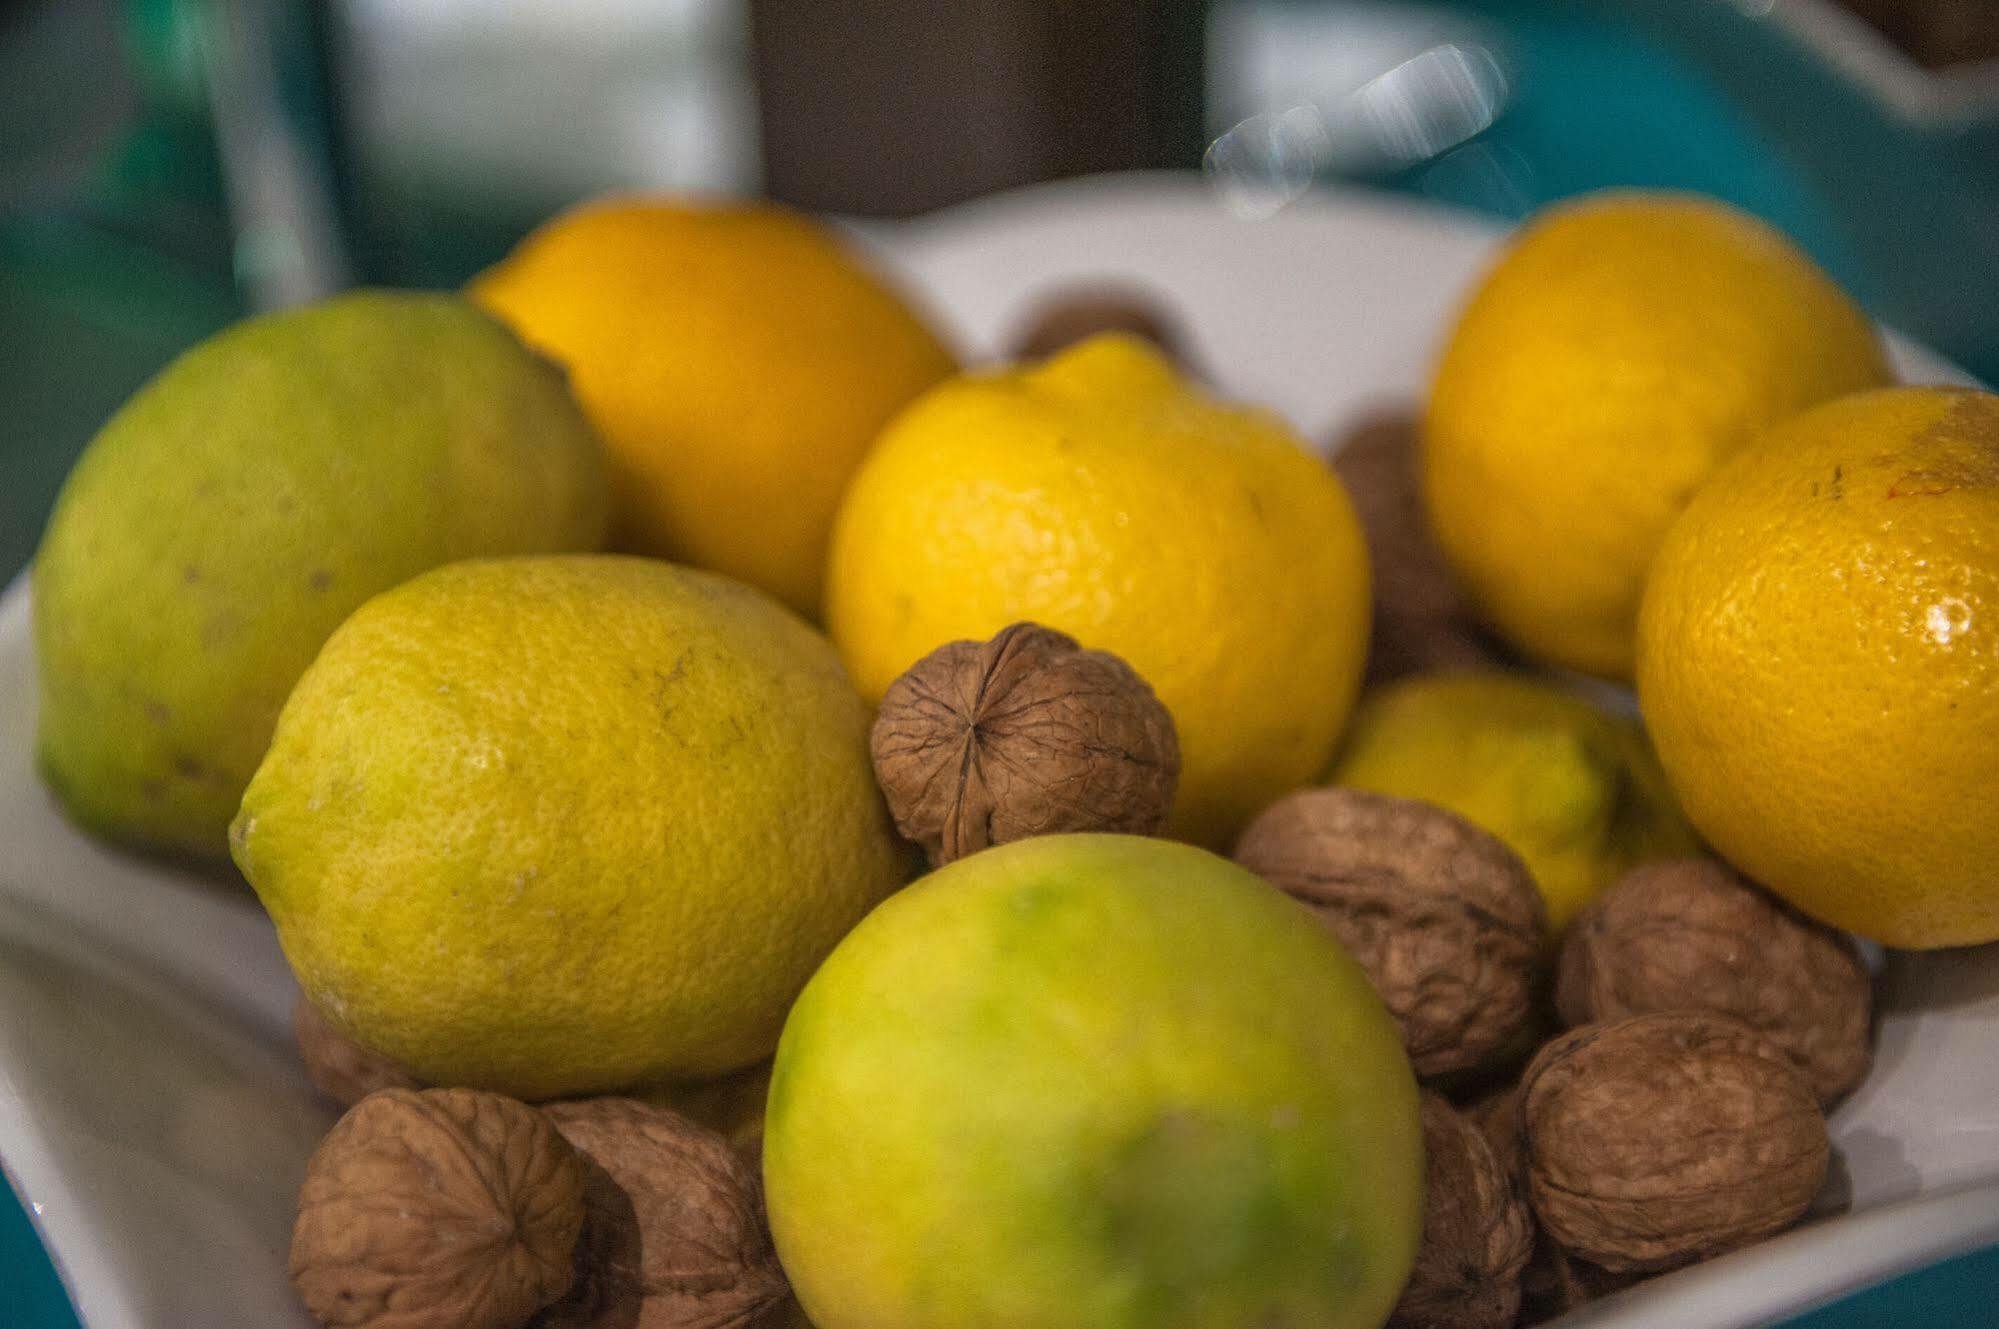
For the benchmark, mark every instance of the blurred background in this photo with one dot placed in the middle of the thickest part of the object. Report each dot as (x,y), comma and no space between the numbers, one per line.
(167,165)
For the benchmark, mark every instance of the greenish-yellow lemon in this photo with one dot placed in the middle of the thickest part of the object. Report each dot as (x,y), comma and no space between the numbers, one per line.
(1092,1082)
(244,502)
(1572,789)
(556,826)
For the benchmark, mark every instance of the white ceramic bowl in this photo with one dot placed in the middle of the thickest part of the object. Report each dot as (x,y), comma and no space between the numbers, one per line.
(155,1120)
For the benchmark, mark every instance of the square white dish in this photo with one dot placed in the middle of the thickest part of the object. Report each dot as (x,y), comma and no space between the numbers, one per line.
(154,1118)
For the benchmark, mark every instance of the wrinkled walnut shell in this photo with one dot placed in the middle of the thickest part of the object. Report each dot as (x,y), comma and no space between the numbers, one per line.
(1693,935)
(1423,620)
(1497,1117)
(980,743)
(1444,917)
(437,1209)
(1477,1234)
(339,1067)
(1664,1139)
(674,1234)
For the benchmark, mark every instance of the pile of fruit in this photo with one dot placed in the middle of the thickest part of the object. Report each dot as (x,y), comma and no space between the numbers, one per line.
(1295,946)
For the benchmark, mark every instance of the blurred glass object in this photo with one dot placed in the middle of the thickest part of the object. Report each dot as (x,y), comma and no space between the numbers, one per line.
(1411,112)
(1803,111)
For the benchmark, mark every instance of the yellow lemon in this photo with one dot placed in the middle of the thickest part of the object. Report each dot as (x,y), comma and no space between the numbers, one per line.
(565,825)
(1102,495)
(736,359)
(1818,661)
(1622,347)
(1574,791)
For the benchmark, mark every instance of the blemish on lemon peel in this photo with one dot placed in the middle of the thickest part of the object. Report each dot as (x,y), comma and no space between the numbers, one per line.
(1959,451)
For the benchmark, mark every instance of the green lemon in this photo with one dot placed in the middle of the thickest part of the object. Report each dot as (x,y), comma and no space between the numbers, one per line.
(246,501)
(564,825)
(1092,1082)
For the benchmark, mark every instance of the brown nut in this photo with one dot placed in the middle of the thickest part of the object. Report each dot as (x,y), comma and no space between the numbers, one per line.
(1476,1232)
(1071,316)
(437,1209)
(1497,1117)
(1664,1139)
(1444,918)
(1692,935)
(1423,620)
(338,1067)
(979,743)
(674,1234)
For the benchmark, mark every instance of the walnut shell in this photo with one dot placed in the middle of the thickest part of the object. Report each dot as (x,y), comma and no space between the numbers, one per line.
(979,743)
(437,1209)
(1423,619)
(1664,1139)
(674,1234)
(1444,917)
(1075,315)
(1497,1117)
(339,1067)
(1692,935)
(1477,1234)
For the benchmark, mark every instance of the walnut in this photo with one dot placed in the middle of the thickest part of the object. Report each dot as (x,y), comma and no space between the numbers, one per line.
(1476,1232)
(980,743)
(1444,918)
(1423,620)
(1693,935)
(1497,1117)
(437,1209)
(1663,1139)
(1076,315)
(674,1234)
(338,1067)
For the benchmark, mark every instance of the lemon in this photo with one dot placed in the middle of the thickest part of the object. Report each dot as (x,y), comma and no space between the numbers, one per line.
(1102,495)
(737,359)
(1622,347)
(1092,1082)
(1818,661)
(566,825)
(244,502)
(1576,792)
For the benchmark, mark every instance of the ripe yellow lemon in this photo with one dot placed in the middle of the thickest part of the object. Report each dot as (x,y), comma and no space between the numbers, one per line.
(1573,790)
(1100,494)
(566,825)
(1818,662)
(737,360)
(1622,347)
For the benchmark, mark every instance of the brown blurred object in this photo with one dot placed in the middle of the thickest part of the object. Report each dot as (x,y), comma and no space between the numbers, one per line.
(1069,316)
(1423,621)
(1936,33)
(1555,1282)
(891,107)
